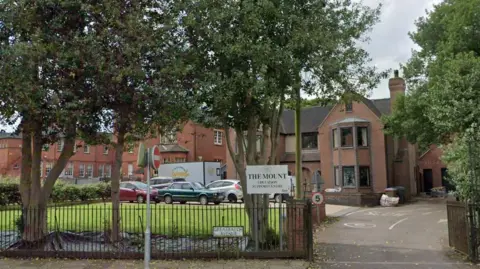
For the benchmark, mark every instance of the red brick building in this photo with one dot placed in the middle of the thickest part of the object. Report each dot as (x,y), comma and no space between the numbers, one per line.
(346,143)
(192,143)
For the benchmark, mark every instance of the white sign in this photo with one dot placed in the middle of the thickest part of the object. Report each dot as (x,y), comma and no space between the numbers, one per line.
(317,198)
(227,231)
(267,179)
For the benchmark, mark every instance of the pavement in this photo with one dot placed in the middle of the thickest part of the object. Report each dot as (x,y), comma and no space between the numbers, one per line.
(408,236)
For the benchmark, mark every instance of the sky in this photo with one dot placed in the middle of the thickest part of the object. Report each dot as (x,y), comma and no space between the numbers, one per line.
(389,44)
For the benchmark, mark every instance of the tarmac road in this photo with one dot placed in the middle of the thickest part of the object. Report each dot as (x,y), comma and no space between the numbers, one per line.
(409,236)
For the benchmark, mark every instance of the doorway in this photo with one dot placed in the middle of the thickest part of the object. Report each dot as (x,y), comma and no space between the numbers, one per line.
(427,180)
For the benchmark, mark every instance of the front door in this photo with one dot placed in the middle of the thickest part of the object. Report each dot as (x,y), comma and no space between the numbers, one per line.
(427,180)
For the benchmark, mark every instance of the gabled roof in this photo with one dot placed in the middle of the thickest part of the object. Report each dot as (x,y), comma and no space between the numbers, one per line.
(312,117)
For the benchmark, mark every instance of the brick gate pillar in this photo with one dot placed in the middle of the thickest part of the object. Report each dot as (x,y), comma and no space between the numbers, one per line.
(295,225)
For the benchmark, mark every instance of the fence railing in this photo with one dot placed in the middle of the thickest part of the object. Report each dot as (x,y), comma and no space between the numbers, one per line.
(178,230)
(457,226)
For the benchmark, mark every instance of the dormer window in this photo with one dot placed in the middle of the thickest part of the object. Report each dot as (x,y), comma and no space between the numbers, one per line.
(348,106)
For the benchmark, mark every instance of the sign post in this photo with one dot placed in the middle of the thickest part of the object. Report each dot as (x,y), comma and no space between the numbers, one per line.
(152,161)
(266,179)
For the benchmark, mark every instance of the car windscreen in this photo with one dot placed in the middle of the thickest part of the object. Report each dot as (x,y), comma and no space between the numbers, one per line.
(178,180)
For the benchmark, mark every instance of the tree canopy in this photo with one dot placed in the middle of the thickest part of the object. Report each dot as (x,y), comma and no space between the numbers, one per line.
(442,76)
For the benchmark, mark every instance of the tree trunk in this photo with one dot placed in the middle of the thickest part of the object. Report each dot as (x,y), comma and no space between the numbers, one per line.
(25,173)
(115,184)
(35,196)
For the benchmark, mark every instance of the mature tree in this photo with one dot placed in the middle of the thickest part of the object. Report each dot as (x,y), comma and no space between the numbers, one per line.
(43,82)
(249,55)
(443,84)
(141,79)
(442,76)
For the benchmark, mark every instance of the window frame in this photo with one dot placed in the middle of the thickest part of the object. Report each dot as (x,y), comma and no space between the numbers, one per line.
(101,170)
(169,138)
(369,174)
(81,170)
(359,136)
(310,135)
(108,171)
(89,171)
(180,159)
(60,145)
(105,150)
(68,171)
(341,137)
(354,185)
(48,168)
(217,137)
(349,107)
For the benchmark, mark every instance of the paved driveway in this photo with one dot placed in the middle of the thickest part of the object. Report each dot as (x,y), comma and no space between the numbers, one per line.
(409,236)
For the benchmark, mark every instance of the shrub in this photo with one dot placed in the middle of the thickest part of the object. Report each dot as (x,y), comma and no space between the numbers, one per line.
(9,193)
(62,192)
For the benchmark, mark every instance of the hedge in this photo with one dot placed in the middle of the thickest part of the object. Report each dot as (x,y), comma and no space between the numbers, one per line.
(62,192)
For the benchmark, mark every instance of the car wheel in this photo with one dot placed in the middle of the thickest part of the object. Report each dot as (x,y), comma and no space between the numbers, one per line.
(216,203)
(278,198)
(232,198)
(140,199)
(203,200)
(183,202)
(168,200)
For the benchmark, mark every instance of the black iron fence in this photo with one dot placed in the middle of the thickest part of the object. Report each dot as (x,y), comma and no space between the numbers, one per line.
(178,230)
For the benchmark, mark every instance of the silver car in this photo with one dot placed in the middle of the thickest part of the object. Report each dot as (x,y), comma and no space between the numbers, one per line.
(230,187)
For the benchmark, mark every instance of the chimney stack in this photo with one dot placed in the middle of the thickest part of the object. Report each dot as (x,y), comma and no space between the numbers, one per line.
(396,85)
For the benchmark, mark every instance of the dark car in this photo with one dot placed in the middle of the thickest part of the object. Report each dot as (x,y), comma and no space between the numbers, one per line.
(137,191)
(190,192)
(163,182)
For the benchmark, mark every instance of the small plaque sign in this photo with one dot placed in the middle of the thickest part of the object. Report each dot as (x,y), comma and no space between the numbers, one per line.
(220,231)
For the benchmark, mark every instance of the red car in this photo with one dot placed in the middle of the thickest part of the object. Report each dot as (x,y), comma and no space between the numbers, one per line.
(137,191)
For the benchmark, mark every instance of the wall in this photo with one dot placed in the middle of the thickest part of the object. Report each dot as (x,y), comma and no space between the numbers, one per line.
(289,143)
(432,160)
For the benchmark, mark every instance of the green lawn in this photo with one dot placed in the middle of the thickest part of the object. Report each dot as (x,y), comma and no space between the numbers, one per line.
(176,220)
